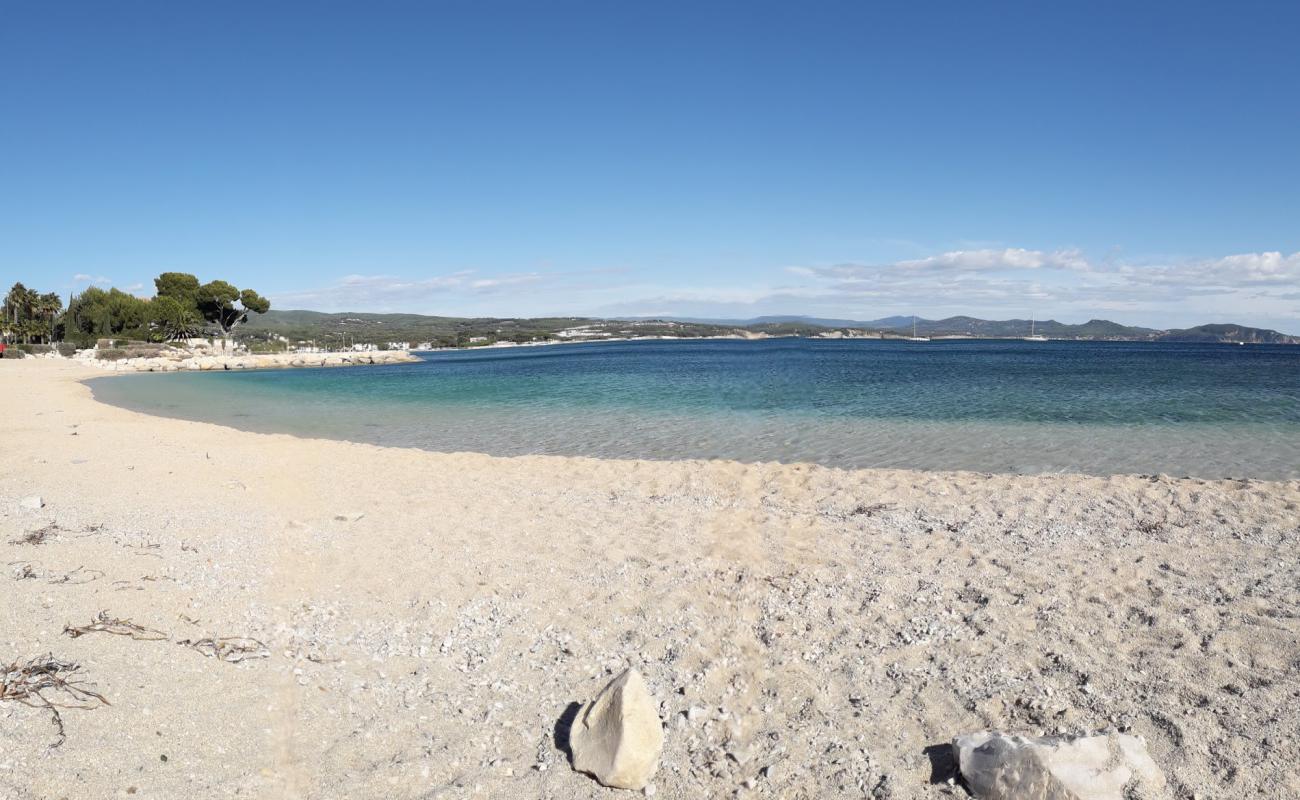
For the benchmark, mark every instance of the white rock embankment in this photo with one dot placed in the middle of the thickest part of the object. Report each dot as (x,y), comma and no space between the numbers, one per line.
(207,363)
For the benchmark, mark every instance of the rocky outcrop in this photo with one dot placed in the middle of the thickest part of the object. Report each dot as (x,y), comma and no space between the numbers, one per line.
(183,361)
(617,738)
(998,766)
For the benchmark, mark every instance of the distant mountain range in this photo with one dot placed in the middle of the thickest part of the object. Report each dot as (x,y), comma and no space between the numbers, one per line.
(1014,328)
(381,328)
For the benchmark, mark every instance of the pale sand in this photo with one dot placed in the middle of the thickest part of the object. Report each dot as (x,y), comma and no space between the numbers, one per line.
(827,626)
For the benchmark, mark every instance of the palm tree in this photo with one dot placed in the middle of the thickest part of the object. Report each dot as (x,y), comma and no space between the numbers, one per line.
(29,315)
(49,306)
(17,311)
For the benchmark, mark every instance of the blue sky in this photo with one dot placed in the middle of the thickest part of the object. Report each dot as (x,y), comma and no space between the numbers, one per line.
(1135,161)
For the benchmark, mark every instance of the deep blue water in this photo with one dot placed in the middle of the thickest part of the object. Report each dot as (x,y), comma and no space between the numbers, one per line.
(1206,410)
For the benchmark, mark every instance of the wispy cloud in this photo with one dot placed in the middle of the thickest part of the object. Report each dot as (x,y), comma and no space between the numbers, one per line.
(505,282)
(1236,271)
(1016,281)
(459,292)
(956,261)
(98,280)
(365,292)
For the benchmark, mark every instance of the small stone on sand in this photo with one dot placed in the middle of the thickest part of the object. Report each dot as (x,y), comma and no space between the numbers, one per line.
(34,502)
(617,738)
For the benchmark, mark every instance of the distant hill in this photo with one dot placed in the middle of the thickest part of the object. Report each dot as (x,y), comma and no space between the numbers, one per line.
(1228,333)
(336,328)
(358,327)
(1011,328)
(950,326)
(792,319)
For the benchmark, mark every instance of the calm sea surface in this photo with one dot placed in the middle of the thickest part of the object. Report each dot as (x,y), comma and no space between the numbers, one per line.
(1013,406)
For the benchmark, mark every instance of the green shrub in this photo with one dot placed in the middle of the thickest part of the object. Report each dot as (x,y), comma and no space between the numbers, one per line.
(67,349)
(111,354)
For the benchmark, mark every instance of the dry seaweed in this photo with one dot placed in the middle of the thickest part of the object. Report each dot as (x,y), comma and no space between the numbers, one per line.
(864,510)
(23,570)
(37,536)
(77,576)
(46,682)
(228,648)
(116,626)
(26,570)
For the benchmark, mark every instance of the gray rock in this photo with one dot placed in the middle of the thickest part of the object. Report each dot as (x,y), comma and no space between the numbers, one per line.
(998,766)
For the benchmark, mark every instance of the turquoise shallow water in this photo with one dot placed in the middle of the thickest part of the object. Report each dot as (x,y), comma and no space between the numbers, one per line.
(1005,406)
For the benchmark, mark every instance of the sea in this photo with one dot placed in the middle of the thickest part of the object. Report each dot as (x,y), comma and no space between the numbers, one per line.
(1199,410)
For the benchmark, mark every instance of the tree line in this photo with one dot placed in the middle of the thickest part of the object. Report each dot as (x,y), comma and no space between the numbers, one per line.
(181,308)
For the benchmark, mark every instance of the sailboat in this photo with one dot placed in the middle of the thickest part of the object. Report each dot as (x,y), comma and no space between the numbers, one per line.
(1032,337)
(914,337)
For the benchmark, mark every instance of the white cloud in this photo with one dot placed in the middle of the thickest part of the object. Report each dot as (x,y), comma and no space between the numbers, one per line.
(1241,270)
(1015,282)
(82,277)
(956,261)
(1012,258)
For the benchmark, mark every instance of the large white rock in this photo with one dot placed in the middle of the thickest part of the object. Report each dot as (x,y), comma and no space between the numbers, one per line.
(998,766)
(617,738)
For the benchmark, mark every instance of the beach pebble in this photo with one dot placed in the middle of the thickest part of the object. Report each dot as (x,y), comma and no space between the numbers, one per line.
(34,502)
(998,766)
(617,738)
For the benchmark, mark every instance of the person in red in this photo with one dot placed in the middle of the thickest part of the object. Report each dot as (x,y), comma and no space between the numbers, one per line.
(2,349)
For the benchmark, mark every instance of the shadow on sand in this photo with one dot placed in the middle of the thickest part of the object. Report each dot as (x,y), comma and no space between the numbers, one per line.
(943,764)
(562,727)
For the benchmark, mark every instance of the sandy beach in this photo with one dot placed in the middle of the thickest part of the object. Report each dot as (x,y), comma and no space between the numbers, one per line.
(429,618)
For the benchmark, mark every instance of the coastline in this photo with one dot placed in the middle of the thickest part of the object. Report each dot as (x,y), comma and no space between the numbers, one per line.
(428,617)
(188,362)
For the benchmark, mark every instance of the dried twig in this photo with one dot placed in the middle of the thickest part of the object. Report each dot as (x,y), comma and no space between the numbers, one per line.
(228,648)
(118,627)
(29,682)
